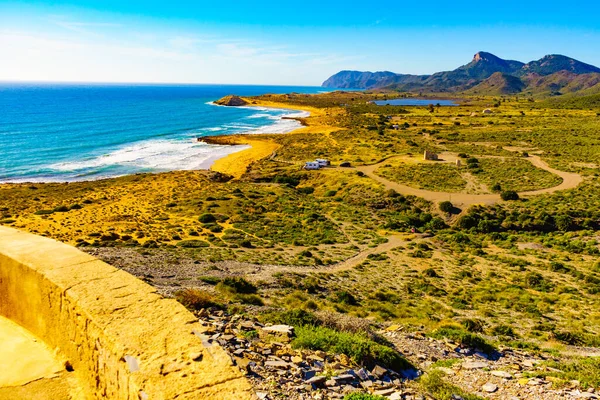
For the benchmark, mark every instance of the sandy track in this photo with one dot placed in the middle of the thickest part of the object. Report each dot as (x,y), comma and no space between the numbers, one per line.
(464,200)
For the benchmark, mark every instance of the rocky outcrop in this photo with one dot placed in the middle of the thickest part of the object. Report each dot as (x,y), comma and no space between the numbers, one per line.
(232,101)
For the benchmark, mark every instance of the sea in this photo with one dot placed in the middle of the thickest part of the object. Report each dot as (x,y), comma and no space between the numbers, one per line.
(73,132)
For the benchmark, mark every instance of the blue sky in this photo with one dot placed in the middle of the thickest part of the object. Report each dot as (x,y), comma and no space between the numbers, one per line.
(272,42)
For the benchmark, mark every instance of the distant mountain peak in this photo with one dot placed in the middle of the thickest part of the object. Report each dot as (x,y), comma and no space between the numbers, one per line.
(484,56)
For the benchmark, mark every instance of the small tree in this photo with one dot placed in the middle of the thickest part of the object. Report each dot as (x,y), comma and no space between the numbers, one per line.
(446,206)
(509,195)
(430,108)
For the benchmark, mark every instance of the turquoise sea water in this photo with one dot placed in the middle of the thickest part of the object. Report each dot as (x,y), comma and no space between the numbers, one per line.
(67,132)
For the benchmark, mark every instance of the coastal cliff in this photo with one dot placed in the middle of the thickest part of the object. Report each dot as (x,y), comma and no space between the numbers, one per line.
(231,101)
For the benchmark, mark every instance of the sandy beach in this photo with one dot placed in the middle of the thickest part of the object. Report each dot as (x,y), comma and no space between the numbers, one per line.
(236,163)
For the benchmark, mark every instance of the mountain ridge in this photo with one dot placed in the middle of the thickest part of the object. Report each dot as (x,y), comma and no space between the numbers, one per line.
(515,77)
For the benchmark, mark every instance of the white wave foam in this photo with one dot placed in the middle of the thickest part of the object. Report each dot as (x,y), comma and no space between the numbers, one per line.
(157,155)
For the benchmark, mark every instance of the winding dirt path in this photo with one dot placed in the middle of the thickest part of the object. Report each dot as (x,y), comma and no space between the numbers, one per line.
(463,200)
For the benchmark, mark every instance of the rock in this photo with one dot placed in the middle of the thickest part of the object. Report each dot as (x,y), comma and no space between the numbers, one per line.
(316,380)
(297,359)
(588,395)
(489,387)
(396,396)
(276,333)
(502,374)
(528,363)
(474,365)
(330,383)
(534,382)
(366,384)
(344,377)
(384,392)
(277,364)
(362,374)
(262,395)
(379,371)
(231,101)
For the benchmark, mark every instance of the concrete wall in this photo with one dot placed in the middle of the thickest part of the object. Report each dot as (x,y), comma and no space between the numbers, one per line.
(123,340)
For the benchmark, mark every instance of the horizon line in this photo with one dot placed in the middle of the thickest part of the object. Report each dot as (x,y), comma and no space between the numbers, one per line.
(17,81)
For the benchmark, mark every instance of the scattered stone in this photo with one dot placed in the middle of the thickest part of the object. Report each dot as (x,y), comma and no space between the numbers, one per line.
(502,374)
(316,380)
(379,371)
(474,365)
(489,387)
(277,364)
(535,382)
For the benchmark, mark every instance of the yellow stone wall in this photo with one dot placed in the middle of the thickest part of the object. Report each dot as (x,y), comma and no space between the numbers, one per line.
(123,340)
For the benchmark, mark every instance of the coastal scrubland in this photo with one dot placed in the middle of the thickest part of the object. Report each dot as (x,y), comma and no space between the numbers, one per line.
(521,274)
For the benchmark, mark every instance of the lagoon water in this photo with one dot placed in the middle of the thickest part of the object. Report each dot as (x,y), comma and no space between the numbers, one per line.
(415,102)
(68,132)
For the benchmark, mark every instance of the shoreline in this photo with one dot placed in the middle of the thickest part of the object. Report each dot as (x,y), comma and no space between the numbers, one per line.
(241,150)
(236,164)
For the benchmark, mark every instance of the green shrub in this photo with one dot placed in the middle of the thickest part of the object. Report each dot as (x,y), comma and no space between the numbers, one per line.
(503,330)
(358,347)
(306,190)
(211,280)
(430,272)
(207,218)
(473,325)
(586,370)
(345,297)
(536,281)
(44,212)
(508,195)
(433,382)
(295,317)
(61,209)
(193,243)
(252,299)
(237,285)
(446,206)
(458,335)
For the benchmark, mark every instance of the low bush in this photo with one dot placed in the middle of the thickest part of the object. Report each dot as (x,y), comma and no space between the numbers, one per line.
(237,285)
(446,206)
(509,195)
(345,298)
(195,299)
(211,280)
(193,243)
(585,370)
(460,336)
(207,218)
(358,347)
(433,382)
(296,317)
